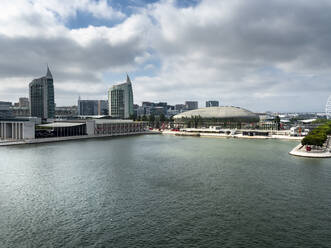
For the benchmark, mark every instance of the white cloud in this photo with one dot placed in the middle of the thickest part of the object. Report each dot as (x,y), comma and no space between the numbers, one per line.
(242,51)
(66,9)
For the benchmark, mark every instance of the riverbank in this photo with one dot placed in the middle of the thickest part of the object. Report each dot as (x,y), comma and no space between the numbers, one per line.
(219,135)
(68,138)
(300,151)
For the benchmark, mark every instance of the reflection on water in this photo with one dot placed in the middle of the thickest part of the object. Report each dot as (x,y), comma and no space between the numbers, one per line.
(163,191)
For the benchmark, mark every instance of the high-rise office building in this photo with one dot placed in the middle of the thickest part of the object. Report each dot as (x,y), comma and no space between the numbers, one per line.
(23,102)
(180,107)
(41,92)
(120,100)
(92,107)
(5,109)
(212,104)
(190,105)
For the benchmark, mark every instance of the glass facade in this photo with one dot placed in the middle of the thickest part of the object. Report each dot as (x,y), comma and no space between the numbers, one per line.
(92,107)
(120,98)
(42,102)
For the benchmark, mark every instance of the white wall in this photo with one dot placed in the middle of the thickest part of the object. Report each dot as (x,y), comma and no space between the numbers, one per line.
(29,130)
(90,127)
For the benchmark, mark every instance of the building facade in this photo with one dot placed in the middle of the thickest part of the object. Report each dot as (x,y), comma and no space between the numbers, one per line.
(5,109)
(92,107)
(190,105)
(41,92)
(20,111)
(114,127)
(23,102)
(18,129)
(225,117)
(212,104)
(66,111)
(120,100)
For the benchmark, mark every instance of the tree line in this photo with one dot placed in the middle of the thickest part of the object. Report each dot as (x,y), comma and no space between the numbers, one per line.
(318,136)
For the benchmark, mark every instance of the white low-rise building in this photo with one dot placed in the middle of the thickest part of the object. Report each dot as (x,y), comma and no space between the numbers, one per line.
(17,129)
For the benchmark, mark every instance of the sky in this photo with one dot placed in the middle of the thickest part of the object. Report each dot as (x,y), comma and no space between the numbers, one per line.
(260,55)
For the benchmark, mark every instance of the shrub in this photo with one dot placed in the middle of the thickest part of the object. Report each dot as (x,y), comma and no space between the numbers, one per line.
(318,136)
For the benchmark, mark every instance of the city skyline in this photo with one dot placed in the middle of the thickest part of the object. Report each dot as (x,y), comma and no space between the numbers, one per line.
(261,56)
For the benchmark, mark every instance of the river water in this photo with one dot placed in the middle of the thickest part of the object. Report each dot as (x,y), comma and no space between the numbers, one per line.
(163,191)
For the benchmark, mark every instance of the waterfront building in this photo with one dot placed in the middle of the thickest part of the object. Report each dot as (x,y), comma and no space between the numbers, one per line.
(65,129)
(20,111)
(120,100)
(227,116)
(66,111)
(92,107)
(41,92)
(191,105)
(5,109)
(90,127)
(17,129)
(114,127)
(212,104)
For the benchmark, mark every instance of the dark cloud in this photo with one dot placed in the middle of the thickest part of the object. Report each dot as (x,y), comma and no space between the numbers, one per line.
(248,53)
(24,56)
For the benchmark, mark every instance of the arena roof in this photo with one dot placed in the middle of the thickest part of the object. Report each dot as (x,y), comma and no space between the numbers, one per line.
(225,112)
(61,124)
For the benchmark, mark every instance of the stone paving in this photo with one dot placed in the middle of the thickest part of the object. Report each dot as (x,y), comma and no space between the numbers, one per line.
(301,151)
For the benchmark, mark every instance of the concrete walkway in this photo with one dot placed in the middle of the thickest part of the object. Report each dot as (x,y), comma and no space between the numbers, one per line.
(68,138)
(300,151)
(221,135)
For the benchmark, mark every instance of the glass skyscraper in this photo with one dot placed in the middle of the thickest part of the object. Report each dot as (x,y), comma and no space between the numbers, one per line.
(92,107)
(120,99)
(41,92)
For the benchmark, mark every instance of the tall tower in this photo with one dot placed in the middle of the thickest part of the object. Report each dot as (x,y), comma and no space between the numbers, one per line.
(41,92)
(120,100)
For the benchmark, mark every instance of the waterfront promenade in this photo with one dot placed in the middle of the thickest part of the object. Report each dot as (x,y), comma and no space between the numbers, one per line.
(220,135)
(301,151)
(68,138)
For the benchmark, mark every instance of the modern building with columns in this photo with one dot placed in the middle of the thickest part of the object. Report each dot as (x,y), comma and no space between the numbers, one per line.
(17,129)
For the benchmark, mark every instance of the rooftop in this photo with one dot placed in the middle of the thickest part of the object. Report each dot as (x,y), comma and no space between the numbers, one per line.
(61,124)
(218,112)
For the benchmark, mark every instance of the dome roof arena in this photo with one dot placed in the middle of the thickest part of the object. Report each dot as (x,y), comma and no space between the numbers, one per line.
(225,112)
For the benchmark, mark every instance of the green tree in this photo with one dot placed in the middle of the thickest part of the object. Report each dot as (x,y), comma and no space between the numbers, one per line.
(133,117)
(200,122)
(162,117)
(151,120)
(318,136)
(277,121)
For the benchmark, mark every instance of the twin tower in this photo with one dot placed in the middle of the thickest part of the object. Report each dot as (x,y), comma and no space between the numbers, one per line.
(120,100)
(42,101)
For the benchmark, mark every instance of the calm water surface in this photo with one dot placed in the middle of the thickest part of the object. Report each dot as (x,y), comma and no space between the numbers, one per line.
(163,191)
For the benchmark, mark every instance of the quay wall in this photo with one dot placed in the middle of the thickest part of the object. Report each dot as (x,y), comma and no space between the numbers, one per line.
(69,138)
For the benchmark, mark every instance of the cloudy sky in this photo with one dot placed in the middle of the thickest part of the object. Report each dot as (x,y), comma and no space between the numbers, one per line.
(262,55)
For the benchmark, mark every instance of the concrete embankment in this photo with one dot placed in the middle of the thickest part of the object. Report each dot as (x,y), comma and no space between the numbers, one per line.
(300,151)
(219,135)
(59,139)
(187,134)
